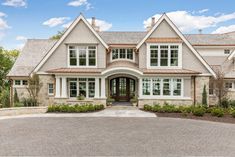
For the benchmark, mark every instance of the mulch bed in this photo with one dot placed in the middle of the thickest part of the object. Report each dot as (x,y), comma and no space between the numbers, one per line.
(207,117)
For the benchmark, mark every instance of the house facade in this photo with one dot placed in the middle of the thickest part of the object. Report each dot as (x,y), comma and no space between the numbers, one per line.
(156,66)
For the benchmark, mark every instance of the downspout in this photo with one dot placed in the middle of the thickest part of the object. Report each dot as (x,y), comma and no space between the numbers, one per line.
(194,92)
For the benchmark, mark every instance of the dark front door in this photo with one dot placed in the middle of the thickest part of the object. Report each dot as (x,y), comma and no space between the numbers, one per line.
(122,88)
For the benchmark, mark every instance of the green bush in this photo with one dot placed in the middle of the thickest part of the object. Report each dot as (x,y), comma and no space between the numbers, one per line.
(168,109)
(147,108)
(232,103)
(18,104)
(5,98)
(185,109)
(218,112)
(225,103)
(156,108)
(75,108)
(233,113)
(198,111)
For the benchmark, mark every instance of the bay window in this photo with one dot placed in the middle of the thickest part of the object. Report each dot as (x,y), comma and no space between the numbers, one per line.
(122,54)
(162,87)
(82,56)
(164,55)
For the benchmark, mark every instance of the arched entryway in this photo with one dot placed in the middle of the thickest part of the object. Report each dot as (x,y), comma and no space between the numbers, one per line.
(122,88)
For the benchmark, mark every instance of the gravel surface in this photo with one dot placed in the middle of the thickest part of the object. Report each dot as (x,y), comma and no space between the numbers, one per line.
(76,136)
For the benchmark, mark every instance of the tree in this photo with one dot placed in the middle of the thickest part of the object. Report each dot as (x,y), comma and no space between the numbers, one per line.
(33,88)
(58,35)
(204,96)
(16,98)
(218,85)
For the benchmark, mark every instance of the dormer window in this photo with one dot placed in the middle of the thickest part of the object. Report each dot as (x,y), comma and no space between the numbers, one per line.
(122,54)
(82,56)
(164,55)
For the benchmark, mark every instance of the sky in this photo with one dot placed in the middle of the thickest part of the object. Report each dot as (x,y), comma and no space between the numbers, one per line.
(40,19)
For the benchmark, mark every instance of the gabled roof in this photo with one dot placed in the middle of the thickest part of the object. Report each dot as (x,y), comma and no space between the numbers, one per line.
(71,27)
(167,19)
(30,56)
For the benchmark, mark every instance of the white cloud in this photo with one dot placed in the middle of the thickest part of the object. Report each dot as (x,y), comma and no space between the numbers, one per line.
(21,38)
(188,22)
(78,3)
(15,3)
(224,29)
(53,22)
(3,25)
(104,26)
(20,46)
(203,11)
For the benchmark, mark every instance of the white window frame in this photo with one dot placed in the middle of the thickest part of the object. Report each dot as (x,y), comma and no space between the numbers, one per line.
(227,50)
(21,83)
(233,85)
(169,54)
(77,55)
(161,96)
(48,89)
(121,59)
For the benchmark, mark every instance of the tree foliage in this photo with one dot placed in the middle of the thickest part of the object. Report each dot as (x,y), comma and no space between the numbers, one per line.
(58,35)
(34,86)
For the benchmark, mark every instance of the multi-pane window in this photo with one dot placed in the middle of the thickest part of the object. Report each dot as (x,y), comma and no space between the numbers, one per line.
(82,86)
(156,87)
(174,55)
(17,82)
(162,86)
(122,54)
(146,86)
(177,87)
(25,82)
(228,85)
(227,51)
(154,55)
(164,55)
(72,55)
(50,89)
(161,55)
(82,56)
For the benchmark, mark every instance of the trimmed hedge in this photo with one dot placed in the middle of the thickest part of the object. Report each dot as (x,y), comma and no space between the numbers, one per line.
(75,108)
(199,111)
(218,112)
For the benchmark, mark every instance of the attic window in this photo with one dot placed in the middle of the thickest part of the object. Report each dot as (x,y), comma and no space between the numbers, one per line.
(122,54)
(226,51)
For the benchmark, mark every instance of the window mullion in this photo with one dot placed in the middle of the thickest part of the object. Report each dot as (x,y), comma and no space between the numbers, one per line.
(159,55)
(169,56)
(77,52)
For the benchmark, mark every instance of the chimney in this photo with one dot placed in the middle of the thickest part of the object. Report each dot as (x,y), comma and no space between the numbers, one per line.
(153,21)
(93,24)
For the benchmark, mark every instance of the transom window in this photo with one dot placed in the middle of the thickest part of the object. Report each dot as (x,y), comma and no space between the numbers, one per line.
(82,56)
(20,82)
(82,86)
(162,86)
(122,54)
(163,55)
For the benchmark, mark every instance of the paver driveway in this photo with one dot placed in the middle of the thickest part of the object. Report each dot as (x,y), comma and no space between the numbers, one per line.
(115,137)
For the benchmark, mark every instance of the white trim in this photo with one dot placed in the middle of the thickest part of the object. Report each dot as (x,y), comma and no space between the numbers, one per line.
(21,83)
(121,59)
(122,69)
(169,56)
(165,17)
(58,43)
(57,88)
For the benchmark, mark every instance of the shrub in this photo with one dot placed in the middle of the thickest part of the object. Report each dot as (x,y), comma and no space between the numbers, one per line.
(225,103)
(147,108)
(81,97)
(185,109)
(218,112)
(168,108)
(75,108)
(232,103)
(233,113)
(198,111)
(5,98)
(156,108)
(204,96)
(16,98)
(18,104)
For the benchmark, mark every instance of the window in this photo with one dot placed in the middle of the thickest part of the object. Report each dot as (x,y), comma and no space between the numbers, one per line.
(73,88)
(82,56)
(17,82)
(92,55)
(162,55)
(82,87)
(174,55)
(73,55)
(122,54)
(228,85)
(146,86)
(156,87)
(162,87)
(91,88)
(154,55)
(177,87)
(25,82)
(50,89)
(226,51)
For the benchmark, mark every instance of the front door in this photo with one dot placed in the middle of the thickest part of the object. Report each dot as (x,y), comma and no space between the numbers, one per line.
(122,88)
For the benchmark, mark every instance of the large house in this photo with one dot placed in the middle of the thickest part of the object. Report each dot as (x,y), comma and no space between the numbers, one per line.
(157,65)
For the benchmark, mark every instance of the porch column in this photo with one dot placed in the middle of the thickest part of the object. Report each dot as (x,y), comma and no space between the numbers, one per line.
(103,95)
(57,91)
(140,87)
(97,88)
(64,87)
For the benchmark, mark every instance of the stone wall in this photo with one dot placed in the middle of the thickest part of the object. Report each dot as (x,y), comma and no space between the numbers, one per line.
(200,82)
(22,92)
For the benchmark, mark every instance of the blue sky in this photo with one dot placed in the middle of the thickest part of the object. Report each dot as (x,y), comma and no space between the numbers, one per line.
(22,19)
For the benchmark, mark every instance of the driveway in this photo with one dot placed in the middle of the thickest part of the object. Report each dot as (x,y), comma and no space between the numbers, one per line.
(77,136)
